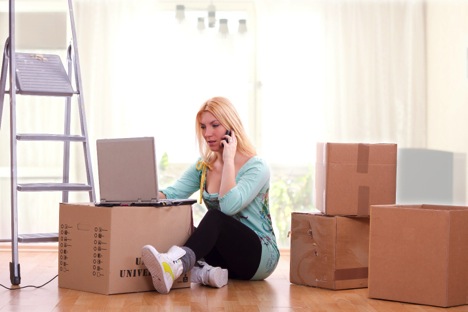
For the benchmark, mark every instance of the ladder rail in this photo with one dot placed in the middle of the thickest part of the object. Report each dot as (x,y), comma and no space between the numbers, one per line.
(14,264)
(67,131)
(79,89)
(3,77)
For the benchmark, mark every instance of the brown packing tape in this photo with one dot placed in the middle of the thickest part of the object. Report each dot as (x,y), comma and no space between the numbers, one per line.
(363,167)
(363,200)
(349,274)
(363,158)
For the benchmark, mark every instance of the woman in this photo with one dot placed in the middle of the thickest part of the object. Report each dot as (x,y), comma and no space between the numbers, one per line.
(235,237)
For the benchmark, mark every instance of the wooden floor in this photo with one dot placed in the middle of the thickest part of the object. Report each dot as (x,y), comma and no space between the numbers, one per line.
(39,265)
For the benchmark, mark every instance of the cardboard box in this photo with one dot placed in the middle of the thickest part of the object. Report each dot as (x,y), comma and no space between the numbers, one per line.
(100,247)
(351,177)
(419,254)
(329,251)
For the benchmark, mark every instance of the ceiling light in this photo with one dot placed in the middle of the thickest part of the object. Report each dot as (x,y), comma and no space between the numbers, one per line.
(223,26)
(211,16)
(242,26)
(180,12)
(201,23)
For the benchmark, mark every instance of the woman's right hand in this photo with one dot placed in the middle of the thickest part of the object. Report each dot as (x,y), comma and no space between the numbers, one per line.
(230,147)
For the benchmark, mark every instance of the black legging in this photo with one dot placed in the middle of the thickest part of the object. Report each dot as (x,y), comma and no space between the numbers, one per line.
(223,241)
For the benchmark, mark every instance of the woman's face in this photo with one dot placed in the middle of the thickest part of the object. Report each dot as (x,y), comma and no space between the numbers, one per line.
(212,131)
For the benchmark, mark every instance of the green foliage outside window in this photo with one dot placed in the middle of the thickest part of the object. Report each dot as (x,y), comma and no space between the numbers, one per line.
(290,191)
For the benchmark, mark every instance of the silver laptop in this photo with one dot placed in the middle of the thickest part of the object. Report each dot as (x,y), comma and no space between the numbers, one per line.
(128,173)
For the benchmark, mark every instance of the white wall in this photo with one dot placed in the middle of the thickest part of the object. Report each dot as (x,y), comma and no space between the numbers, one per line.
(447,76)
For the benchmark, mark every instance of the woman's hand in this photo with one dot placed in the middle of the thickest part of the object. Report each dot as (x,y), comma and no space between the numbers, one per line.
(229,147)
(228,179)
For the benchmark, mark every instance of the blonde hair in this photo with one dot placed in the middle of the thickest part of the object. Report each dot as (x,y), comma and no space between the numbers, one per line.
(226,114)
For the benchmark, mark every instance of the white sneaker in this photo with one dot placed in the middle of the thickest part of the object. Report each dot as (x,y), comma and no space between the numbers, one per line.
(164,268)
(207,275)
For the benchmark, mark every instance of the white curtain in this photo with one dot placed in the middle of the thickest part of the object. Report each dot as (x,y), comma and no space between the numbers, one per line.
(342,71)
(375,74)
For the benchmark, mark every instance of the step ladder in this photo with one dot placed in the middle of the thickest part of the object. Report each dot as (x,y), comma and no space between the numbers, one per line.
(42,75)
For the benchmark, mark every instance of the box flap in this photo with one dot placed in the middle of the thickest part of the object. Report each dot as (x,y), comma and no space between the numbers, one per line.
(458,258)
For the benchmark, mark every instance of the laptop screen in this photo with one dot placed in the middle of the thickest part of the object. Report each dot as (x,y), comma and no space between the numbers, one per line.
(127,170)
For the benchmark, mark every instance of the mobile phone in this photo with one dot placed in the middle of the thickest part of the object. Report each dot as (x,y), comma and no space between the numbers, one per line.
(228,132)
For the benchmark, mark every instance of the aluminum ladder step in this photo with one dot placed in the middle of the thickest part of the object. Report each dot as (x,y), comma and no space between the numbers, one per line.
(41,74)
(42,187)
(49,137)
(34,238)
(38,238)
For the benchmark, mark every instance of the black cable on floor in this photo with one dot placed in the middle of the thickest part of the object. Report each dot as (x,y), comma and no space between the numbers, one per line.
(29,286)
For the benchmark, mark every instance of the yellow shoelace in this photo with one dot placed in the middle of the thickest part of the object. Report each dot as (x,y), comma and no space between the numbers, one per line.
(203,166)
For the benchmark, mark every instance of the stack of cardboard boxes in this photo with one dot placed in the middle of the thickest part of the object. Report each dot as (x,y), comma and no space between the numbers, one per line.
(330,249)
(361,238)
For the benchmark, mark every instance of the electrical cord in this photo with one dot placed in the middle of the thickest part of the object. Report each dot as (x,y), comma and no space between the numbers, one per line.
(29,286)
